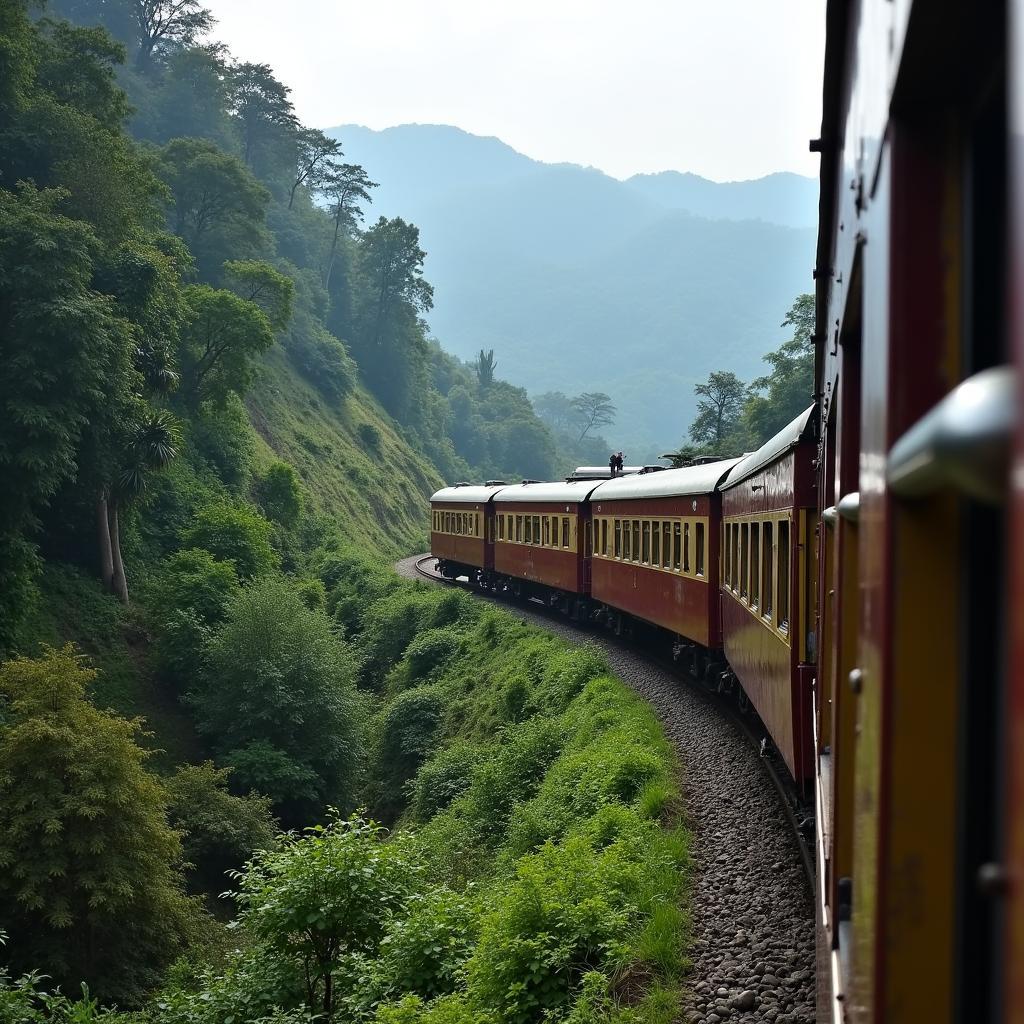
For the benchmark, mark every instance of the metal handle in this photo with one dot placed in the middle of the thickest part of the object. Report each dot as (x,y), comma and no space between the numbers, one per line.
(963,443)
(849,506)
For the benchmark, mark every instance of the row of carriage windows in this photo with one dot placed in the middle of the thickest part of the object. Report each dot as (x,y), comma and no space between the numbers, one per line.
(676,545)
(756,567)
(463,524)
(545,530)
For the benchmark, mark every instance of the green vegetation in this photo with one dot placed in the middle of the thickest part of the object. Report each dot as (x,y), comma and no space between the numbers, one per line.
(535,865)
(733,417)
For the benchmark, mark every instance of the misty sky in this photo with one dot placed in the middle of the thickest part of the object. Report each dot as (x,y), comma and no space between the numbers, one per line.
(729,89)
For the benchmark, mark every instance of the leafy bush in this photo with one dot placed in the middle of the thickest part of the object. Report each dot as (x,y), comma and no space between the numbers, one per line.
(233,533)
(321,358)
(193,580)
(278,701)
(224,440)
(90,885)
(280,494)
(220,832)
(327,893)
(369,436)
(447,775)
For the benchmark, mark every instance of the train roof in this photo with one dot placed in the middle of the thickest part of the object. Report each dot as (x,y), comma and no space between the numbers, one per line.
(788,437)
(668,483)
(467,492)
(600,472)
(569,493)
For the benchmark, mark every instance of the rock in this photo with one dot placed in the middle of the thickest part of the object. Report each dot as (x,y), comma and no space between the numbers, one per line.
(745,1000)
(723,992)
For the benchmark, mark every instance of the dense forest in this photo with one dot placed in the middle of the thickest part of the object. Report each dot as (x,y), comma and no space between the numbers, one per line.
(247,774)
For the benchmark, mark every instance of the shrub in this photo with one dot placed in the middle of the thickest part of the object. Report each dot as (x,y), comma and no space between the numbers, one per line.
(193,580)
(312,593)
(223,438)
(322,359)
(90,885)
(280,494)
(279,702)
(220,831)
(234,533)
(327,893)
(408,728)
(369,436)
(425,950)
(429,650)
(444,777)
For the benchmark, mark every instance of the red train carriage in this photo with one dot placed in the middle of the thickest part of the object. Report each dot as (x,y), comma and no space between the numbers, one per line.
(542,536)
(768,522)
(655,549)
(461,529)
(921,848)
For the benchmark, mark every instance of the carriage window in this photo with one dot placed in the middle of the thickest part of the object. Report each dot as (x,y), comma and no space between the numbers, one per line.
(604,536)
(783,574)
(666,544)
(725,552)
(645,547)
(627,540)
(686,547)
(636,540)
(767,560)
(618,538)
(735,556)
(501,527)
(519,528)
(528,529)
(677,546)
(755,564)
(536,529)
(565,531)
(744,560)
(547,530)
(700,549)
(656,544)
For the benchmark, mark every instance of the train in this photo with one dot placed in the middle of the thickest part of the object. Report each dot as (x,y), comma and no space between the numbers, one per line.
(858,580)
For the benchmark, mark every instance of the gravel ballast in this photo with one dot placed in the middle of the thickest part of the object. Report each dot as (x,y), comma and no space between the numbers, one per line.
(752,949)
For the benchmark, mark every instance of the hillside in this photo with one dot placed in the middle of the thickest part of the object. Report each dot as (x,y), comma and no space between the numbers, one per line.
(579,281)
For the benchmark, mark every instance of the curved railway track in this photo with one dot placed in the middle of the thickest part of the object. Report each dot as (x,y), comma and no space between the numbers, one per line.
(751,907)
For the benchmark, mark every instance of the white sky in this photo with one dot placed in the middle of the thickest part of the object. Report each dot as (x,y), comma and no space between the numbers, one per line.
(729,89)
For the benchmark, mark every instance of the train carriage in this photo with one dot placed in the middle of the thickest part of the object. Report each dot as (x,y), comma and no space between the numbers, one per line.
(462,529)
(768,523)
(542,536)
(655,549)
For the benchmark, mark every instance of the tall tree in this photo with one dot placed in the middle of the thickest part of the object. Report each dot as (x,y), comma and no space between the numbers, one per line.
(343,187)
(261,284)
(595,409)
(314,156)
(218,207)
(222,336)
(90,879)
(485,365)
(718,411)
(166,25)
(261,108)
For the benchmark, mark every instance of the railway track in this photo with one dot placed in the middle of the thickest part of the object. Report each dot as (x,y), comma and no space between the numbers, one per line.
(751,902)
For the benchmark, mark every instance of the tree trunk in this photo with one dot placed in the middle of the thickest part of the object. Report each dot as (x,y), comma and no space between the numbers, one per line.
(119,584)
(330,260)
(103,534)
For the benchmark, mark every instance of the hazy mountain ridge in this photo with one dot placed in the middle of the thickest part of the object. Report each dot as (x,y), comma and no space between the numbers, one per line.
(578,280)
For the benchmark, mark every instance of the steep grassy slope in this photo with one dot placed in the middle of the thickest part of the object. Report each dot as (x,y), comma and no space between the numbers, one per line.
(356,467)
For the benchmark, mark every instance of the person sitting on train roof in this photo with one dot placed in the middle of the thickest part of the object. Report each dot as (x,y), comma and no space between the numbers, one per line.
(613,464)
(618,463)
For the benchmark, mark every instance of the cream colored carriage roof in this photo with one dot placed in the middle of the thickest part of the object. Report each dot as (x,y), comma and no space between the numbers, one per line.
(668,483)
(788,437)
(467,493)
(571,493)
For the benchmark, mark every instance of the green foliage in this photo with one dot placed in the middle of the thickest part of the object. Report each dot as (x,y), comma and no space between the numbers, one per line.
(193,580)
(220,340)
(279,493)
(325,894)
(90,887)
(223,439)
(278,700)
(258,282)
(369,436)
(220,832)
(236,534)
(217,206)
(447,775)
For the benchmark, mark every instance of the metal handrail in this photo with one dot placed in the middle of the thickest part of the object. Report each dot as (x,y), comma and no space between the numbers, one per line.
(962,443)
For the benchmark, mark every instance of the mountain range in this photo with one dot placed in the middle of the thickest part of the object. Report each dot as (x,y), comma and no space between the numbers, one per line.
(582,282)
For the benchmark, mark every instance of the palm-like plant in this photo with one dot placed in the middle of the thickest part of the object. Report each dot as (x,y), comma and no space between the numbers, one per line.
(153,445)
